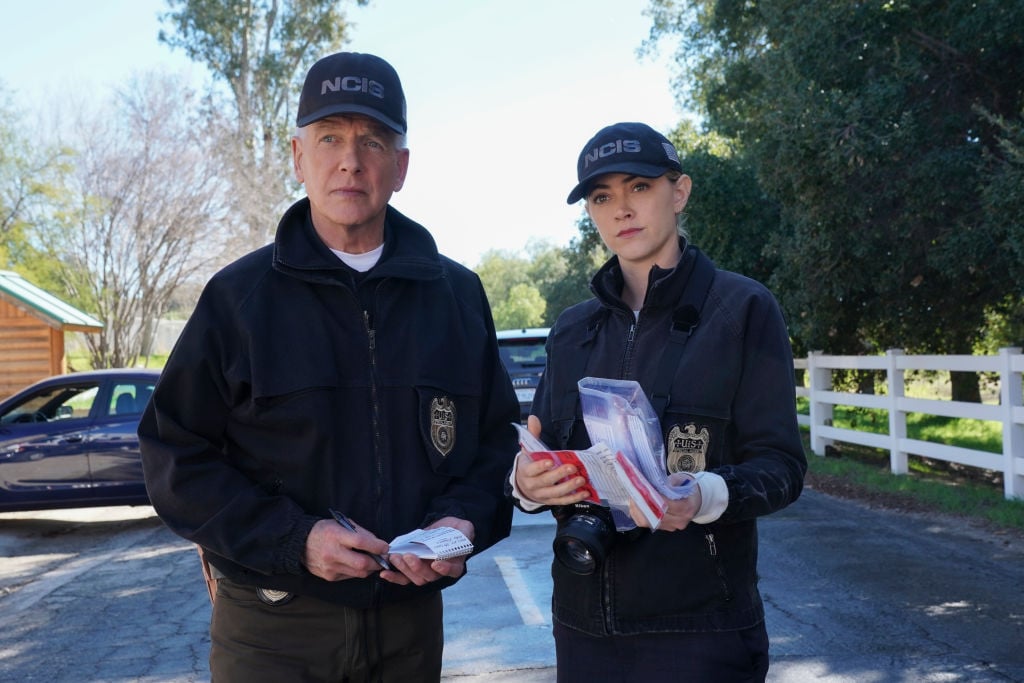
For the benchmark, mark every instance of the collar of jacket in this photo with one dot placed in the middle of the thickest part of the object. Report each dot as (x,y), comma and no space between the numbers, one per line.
(411,252)
(664,286)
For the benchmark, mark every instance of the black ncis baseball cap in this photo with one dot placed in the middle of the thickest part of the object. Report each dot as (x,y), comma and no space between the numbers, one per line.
(353,83)
(633,148)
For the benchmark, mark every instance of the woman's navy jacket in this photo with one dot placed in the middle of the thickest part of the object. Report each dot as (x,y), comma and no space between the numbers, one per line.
(730,410)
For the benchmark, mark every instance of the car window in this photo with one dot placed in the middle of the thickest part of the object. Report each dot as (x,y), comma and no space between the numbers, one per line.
(53,403)
(527,353)
(129,398)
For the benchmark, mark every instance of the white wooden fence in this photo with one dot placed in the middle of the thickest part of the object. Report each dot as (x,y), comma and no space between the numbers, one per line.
(1008,365)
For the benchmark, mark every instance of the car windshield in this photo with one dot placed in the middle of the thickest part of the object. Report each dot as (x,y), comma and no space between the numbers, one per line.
(52,404)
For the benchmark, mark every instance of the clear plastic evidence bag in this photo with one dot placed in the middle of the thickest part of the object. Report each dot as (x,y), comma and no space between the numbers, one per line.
(627,460)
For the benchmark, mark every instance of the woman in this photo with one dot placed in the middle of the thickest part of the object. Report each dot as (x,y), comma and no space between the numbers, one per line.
(711,351)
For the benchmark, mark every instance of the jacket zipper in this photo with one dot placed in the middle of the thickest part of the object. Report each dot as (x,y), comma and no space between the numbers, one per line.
(371,335)
(606,598)
(608,611)
(628,353)
(713,552)
(374,402)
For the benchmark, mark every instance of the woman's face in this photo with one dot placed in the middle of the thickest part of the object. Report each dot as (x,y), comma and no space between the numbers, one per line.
(636,216)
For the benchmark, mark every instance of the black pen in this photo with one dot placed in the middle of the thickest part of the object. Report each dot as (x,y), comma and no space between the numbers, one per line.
(347,523)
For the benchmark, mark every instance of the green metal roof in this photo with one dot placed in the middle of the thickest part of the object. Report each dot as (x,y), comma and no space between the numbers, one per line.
(54,312)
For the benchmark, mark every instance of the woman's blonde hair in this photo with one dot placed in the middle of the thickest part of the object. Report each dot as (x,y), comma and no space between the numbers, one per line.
(672,177)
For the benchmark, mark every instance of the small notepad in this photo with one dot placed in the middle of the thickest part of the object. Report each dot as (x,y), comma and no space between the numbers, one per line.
(440,543)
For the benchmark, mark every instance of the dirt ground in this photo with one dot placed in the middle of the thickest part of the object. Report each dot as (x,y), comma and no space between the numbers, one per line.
(841,488)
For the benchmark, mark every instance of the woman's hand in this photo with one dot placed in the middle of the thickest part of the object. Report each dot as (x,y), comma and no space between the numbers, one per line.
(678,514)
(542,482)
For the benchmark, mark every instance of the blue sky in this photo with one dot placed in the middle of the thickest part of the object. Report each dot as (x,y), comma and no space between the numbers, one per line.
(501,95)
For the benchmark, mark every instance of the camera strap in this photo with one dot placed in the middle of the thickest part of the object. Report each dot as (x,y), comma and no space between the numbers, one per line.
(576,365)
(685,318)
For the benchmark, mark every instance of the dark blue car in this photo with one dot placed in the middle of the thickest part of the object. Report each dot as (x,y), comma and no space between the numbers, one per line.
(523,355)
(70,441)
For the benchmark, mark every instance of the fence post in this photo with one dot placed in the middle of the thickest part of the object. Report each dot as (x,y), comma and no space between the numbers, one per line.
(897,419)
(821,413)
(1011,399)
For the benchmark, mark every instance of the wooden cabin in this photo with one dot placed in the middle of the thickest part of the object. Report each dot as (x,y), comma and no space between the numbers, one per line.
(32,327)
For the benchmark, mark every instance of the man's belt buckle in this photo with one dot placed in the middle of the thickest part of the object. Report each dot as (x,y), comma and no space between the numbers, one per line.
(274,597)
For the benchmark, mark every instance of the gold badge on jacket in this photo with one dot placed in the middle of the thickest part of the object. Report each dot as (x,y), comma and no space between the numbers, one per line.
(442,424)
(687,449)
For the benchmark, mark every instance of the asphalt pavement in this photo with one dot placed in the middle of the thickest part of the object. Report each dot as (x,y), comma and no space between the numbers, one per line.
(852,595)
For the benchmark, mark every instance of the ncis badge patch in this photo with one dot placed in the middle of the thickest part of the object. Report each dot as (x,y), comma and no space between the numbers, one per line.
(442,424)
(687,449)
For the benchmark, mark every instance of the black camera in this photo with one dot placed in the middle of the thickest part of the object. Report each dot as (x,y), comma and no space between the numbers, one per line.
(585,535)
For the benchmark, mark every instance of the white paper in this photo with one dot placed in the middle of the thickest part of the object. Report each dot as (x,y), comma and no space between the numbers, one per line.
(439,543)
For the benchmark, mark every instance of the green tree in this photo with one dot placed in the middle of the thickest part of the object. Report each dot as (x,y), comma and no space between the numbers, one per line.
(728,216)
(544,269)
(524,307)
(260,49)
(1003,191)
(866,123)
(499,271)
(584,255)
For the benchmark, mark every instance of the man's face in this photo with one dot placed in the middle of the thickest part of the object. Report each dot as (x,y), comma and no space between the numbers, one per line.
(350,167)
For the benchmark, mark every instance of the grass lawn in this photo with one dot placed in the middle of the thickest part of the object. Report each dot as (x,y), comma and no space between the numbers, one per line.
(937,485)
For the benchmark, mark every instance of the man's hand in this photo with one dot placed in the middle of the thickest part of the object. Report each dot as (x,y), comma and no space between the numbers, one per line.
(411,569)
(332,552)
(542,482)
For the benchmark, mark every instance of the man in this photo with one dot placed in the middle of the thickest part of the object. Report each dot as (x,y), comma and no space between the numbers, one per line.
(348,367)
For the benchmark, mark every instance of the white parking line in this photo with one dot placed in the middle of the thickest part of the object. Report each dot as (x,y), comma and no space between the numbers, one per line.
(528,611)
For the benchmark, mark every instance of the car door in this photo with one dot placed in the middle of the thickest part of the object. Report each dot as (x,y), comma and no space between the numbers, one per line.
(114,459)
(44,441)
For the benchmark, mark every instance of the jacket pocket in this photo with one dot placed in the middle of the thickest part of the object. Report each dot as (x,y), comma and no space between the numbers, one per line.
(668,575)
(449,425)
(695,439)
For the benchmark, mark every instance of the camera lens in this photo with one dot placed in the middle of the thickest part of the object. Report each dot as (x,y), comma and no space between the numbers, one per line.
(582,543)
(576,556)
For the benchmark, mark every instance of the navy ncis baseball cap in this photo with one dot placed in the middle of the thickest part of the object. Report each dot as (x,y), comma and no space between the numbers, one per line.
(353,83)
(633,148)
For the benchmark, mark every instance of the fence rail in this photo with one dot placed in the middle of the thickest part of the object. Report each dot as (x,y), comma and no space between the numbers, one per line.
(1008,365)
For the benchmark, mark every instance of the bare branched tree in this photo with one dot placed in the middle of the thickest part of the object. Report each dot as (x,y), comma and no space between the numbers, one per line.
(259,49)
(30,171)
(147,206)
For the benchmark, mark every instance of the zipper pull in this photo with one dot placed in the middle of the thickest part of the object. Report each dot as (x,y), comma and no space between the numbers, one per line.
(712,548)
(370,332)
